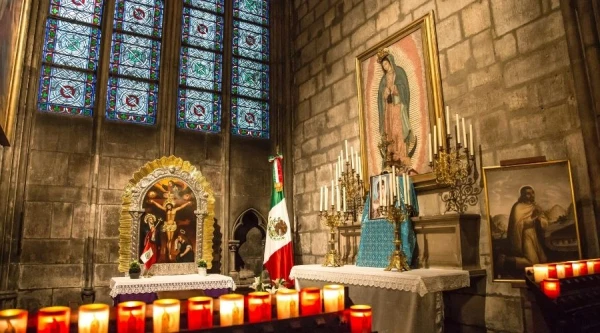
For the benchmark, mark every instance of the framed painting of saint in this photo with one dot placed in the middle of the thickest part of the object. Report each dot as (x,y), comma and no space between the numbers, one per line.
(399,97)
(532,217)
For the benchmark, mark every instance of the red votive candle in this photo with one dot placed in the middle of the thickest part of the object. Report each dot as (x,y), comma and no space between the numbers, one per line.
(310,301)
(131,317)
(259,306)
(54,319)
(200,312)
(579,268)
(552,273)
(361,318)
(596,266)
(551,288)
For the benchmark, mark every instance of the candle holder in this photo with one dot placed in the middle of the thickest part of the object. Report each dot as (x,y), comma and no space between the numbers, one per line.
(396,215)
(388,156)
(332,219)
(354,186)
(456,167)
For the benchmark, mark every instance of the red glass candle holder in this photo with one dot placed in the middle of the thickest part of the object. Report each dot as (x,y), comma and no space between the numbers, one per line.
(579,268)
(551,288)
(13,320)
(131,317)
(310,301)
(552,273)
(596,264)
(361,319)
(93,318)
(54,319)
(259,306)
(200,312)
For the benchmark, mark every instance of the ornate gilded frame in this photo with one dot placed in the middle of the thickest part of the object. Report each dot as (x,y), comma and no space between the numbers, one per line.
(428,51)
(541,188)
(14,64)
(132,211)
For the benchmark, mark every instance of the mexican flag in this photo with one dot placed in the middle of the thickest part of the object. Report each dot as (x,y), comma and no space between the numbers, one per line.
(279,257)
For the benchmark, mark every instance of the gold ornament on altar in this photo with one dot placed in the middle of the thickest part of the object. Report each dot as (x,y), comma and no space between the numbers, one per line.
(454,164)
(347,200)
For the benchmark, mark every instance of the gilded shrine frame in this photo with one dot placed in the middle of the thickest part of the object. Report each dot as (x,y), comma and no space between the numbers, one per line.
(415,95)
(134,207)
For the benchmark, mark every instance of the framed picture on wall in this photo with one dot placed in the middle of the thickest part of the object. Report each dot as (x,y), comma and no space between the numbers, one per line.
(13,26)
(532,217)
(400,100)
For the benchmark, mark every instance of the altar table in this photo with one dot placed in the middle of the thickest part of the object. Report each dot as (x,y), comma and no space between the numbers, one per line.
(402,302)
(145,289)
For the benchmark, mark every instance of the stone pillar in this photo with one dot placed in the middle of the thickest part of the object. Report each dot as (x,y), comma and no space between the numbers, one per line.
(233,245)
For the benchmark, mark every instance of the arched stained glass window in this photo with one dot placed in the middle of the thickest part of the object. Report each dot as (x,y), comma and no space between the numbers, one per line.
(201,66)
(70,57)
(250,69)
(135,60)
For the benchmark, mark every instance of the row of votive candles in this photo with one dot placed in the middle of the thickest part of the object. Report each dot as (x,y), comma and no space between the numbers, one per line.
(94,318)
(565,269)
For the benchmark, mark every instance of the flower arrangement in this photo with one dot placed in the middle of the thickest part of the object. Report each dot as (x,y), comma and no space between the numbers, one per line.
(264,283)
(201,263)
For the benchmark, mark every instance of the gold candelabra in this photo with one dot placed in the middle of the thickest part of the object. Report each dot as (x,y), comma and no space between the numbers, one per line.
(396,214)
(387,156)
(353,184)
(332,219)
(456,167)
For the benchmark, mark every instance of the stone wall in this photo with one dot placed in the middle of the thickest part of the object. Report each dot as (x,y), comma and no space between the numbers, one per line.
(504,66)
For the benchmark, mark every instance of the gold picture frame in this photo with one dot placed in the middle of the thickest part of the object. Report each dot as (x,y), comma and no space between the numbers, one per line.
(14,18)
(532,217)
(413,90)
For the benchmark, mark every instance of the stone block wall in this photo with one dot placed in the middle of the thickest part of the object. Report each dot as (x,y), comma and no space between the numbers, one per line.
(504,66)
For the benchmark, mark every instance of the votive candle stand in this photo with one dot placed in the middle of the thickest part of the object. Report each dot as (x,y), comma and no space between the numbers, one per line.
(200,312)
(93,318)
(131,317)
(166,315)
(310,301)
(13,320)
(54,319)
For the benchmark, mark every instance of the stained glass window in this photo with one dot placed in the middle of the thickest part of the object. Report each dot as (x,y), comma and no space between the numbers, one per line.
(250,68)
(201,62)
(135,61)
(70,57)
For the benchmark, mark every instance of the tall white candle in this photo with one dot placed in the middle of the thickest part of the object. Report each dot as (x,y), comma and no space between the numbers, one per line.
(326,196)
(464,133)
(457,129)
(321,200)
(337,196)
(383,191)
(447,119)
(408,190)
(346,143)
(352,156)
(471,139)
(393,181)
(359,168)
(332,194)
(344,199)
(439,128)
(404,192)
(435,145)
(429,143)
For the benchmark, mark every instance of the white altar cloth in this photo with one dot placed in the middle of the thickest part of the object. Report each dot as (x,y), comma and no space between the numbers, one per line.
(126,285)
(402,302)
(421,281)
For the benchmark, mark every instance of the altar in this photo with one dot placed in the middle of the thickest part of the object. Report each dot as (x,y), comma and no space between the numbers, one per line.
(402,302)
(146,289)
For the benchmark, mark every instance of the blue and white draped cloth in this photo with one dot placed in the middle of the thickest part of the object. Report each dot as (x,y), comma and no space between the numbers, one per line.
(377,236)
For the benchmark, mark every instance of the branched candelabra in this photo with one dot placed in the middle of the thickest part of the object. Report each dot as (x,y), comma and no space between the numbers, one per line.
(396,215)
(387,156)
(456,167)
(352,184)
(332,219)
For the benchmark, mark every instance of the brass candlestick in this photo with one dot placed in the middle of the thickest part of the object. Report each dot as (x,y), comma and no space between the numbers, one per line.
(396,215)
(332,219)
(355,193)
(456,167)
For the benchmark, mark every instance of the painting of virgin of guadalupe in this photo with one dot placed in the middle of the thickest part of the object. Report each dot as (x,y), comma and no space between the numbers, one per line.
(399,100)
(168,229)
